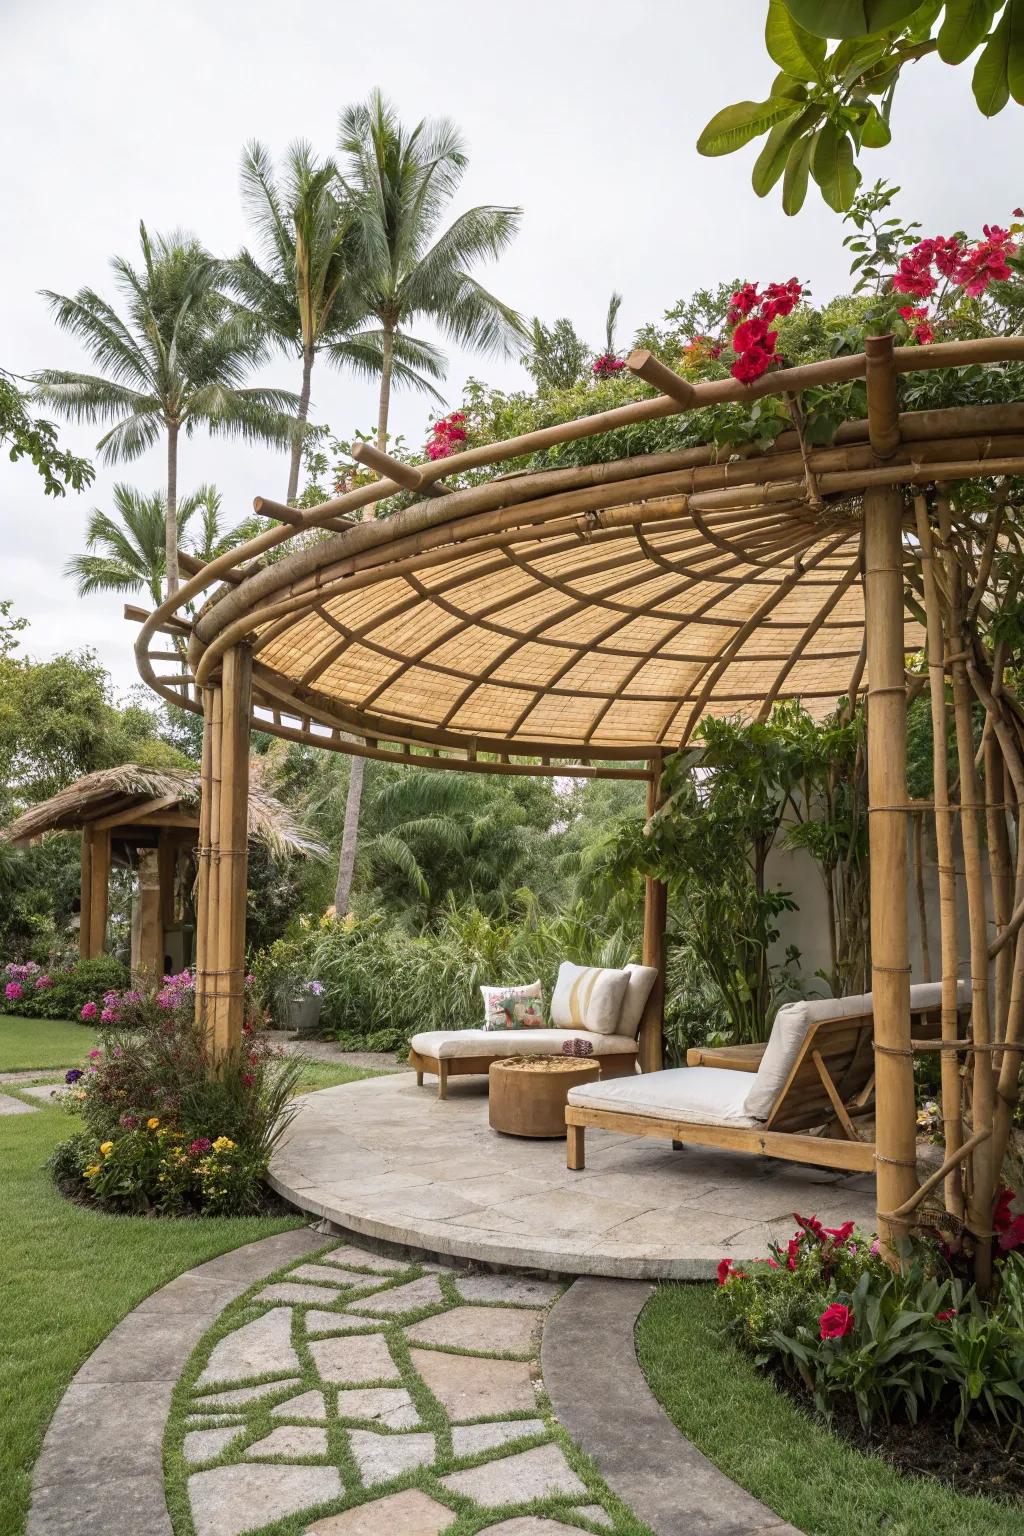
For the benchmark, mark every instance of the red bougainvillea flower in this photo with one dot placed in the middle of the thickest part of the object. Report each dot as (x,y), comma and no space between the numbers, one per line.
(726,1272)
(944,1317)
(607,364)
(913,275)
(810,1224)
(445,436)
(836,1321)
(792,1249)
(751,364)
(923,334)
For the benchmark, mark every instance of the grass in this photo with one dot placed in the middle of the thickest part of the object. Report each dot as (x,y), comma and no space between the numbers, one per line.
(30,1044)
(329,1074)
(790,1461)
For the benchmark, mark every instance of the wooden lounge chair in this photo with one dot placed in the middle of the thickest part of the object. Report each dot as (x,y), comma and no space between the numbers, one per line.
(797,1100)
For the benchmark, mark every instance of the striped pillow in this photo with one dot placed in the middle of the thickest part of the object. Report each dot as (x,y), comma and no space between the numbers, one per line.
(588,997)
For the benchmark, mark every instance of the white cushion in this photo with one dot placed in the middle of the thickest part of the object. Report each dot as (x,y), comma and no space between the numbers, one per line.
(791,1025)
(588,997)
(928,994)
(491,1045)
(638,990)
(697,1095)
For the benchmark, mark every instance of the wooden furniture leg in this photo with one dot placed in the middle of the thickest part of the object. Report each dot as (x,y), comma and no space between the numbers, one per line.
(575,1151)
(442,1079)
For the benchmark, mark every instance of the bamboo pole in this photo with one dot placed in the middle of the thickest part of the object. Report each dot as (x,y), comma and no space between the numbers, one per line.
(232,841)
(896,1117)
(952,1119)
(981,1172)
(652,1024)
(99,899)
(1000,872)
(85,898)
(208,864)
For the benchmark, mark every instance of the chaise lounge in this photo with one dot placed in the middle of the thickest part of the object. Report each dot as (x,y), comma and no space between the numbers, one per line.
(446,1053)
(816,1074)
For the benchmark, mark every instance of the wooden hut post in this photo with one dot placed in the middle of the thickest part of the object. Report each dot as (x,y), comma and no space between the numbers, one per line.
(208,865)
(85,901)
(652,1024)
(232,845)
(99,891)
(150,957)
(896,1127)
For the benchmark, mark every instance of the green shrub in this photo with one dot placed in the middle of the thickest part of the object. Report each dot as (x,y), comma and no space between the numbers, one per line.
(59,992)
(830,1313)
(383,984)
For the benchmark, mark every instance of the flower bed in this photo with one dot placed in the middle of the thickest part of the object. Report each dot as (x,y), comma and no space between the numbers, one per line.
(905,1360)
(58,990)
(162,1135)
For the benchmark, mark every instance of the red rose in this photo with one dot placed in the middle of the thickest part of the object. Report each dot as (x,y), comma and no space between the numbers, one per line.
(944,1317)
(836,1321)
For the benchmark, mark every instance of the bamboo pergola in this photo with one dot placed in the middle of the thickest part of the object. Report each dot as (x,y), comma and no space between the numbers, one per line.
(584,620)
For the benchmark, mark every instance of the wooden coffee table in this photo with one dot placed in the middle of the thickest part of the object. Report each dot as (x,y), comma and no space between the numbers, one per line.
(527,1094)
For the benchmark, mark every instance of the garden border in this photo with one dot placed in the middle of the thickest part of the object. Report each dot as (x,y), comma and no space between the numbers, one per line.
(600,1396)
(112,1484)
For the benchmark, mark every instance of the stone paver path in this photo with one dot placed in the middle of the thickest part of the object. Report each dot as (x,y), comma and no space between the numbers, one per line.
(353,1395)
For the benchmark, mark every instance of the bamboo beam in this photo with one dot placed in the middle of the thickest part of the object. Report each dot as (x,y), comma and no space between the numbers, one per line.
(136,812)
(406,475)
(652,1024)
(647,367)
(952,1120)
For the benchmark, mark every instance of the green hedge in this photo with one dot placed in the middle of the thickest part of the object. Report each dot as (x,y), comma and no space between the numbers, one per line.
(70,989)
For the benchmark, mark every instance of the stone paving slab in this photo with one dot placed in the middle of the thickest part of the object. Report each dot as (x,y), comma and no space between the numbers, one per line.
(9,1105)
(382,1405)
(205,1444)
(239,1397)
(89,1500)
(294,1293)
(225,1499)
(533,1474)
(308,1405)
(363,1258)
(519,1290)
(383,1457)
(470,1439)
(318,1321)
(425,1292)
(291,1440)
(531,1525)
(469,1388)
(260,1348)
(330,1274)
(411,1513)
(494,1330)
(639,1210)
(360,1357)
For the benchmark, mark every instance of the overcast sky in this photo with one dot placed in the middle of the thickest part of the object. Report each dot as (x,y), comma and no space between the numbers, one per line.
(582,112)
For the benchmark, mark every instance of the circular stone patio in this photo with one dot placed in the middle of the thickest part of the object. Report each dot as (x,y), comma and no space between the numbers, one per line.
(395,1163)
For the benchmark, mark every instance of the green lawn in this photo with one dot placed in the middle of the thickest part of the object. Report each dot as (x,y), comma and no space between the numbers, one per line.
(26,1044)
(329,1074)
(68,1273)
(788,1460)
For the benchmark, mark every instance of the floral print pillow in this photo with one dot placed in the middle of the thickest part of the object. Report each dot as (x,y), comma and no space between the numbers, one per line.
(514,1007)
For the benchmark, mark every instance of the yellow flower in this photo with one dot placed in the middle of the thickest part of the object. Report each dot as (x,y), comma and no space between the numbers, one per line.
(152,1122)
(91,1171)
(223,1144)
(106,1148)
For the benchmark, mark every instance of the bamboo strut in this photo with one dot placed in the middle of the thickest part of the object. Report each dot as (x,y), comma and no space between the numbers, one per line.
(952,1122)
(947,1167)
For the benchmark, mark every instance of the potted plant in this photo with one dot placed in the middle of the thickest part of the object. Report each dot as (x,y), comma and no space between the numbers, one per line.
(304,1011)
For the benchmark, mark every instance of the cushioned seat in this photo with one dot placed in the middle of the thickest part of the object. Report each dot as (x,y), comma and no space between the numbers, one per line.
(695,1095)
(492,1044)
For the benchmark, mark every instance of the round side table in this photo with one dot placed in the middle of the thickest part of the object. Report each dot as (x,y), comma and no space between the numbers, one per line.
(527,1097)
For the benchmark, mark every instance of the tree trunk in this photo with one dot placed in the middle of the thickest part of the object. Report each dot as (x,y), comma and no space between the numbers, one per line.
(300,421)
(349,837)
(354,800)
(171,514)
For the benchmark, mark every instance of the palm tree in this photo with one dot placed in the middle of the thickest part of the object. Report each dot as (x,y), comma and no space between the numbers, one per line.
(175,363)
(299,289)
(126,552)
(399,182)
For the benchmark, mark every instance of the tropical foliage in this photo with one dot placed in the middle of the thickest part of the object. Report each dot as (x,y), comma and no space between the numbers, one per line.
(826,105)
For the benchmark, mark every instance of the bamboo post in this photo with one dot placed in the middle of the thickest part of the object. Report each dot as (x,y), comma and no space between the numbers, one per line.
(150,958)
(652,1024)
(85,899)
(208,866)
(232,835)
(167,858)
(896,1116)
(952,1119)
(981,1169)
(99,893)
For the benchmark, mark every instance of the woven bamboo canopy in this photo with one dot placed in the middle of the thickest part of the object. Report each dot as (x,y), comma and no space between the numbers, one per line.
(585,620)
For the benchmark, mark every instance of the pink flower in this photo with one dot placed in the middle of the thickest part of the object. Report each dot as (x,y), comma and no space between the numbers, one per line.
(199,1146)
(89,1011)
(923,334)
(94,1055)
(913,275)
(42,982)
(13,991)
(836,1321)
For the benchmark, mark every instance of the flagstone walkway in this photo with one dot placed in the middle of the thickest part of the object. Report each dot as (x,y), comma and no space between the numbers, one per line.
(353,1393)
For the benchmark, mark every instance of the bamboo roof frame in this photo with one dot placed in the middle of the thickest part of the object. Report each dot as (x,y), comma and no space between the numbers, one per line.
(577,621)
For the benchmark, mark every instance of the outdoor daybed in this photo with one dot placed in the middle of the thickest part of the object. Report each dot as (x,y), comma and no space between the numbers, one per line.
(463,1052)
(816,1073)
